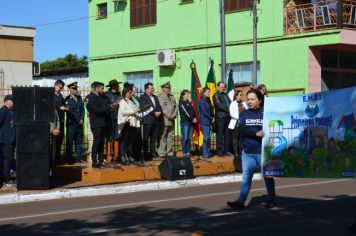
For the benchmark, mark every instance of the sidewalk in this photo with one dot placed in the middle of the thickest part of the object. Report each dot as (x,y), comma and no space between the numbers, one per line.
(61,193)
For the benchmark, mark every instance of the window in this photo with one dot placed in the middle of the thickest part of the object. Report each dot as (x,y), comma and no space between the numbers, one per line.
(102,11)
(242,72)
(143,12)
(139,79)
(237,5)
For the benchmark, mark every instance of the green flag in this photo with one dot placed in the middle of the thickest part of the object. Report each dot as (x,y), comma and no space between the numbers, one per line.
(230,81)
(211,81)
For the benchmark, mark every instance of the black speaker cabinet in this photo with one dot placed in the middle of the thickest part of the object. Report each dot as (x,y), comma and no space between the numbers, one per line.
(33,156)
(33,104)
(174,168)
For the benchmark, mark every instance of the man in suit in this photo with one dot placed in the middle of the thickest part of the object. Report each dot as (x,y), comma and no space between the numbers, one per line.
(99,113)
(7,139)
(169,109)
(151,122)
(75,122)
(60,110)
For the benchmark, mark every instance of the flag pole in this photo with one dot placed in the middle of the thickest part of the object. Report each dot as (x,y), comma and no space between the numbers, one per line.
(222,37)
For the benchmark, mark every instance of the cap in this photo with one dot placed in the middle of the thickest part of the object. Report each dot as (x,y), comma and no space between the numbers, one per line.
(167,84)
(8,97)
(73,85)
(113,82)
(96,84)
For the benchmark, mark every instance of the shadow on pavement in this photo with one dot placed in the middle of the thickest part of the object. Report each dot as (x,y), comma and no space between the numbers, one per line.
(294,216)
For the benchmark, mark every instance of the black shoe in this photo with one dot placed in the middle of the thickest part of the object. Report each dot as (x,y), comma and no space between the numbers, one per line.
(221,154)
(270,205)
(102,165)
(236,205)
(81,161)
(229,154)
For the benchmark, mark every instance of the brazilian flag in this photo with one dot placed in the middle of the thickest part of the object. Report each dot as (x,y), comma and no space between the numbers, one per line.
(211,81)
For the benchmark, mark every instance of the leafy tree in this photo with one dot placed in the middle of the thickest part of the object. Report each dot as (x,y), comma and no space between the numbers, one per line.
(68,61)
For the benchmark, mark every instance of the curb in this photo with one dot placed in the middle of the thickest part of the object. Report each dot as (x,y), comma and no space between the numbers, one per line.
(120,188)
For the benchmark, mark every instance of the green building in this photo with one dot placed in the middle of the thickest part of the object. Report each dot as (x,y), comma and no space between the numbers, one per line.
(301,44)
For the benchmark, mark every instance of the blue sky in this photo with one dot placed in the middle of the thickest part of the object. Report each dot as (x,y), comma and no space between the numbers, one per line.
(55,40)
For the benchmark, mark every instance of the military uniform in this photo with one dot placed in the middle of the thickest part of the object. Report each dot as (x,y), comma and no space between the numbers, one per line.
(169,109)
(75,121)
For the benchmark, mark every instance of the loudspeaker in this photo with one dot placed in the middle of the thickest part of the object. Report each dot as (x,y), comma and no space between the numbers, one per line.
(24,100)
(174,168)
(33,156)
(44,104)
(33,104)
(33,137)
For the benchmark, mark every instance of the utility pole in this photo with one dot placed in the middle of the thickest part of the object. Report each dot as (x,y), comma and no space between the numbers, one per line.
(222,37)
(255,20)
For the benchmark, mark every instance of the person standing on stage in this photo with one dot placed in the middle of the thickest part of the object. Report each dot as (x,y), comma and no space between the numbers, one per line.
(61,110)
(128,126)
(206,116)
(99,112)
(112,143)
(7,140)
(222,118)
(236,107)
(75,122)
(187,119)
(250,125)
(151,122)
(170,110)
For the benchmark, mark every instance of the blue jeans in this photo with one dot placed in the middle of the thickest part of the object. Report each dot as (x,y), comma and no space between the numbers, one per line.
(249,162)
(206,142)
(187,133)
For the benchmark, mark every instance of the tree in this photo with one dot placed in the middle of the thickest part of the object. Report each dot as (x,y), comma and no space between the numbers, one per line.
(69,61)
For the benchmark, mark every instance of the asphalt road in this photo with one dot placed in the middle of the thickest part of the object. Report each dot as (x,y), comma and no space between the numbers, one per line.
(305,207)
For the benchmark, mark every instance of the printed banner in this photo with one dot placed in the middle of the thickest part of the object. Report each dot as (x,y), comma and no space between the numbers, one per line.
(310,135)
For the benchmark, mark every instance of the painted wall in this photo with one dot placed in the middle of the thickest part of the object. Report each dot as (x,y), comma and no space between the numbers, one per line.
(193,31)
(17,73)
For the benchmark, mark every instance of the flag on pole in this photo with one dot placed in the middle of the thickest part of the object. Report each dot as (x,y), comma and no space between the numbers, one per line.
(230,81)
(196,96)
(211,81)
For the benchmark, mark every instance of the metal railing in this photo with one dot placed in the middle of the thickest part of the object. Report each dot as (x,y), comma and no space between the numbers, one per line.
(300,18)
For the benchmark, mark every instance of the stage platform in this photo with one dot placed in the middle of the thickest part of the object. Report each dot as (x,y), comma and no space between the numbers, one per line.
(122,174)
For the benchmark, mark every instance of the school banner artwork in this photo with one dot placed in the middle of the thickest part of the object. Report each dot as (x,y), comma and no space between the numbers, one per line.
(310,135)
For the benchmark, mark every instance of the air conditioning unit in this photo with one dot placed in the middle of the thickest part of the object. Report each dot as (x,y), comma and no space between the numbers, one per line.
(119,1)
(36,68)
(166,57)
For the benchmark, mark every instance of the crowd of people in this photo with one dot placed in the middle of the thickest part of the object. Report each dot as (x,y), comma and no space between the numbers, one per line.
(134,129)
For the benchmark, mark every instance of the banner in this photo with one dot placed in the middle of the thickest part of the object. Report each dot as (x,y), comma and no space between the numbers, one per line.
(310,135)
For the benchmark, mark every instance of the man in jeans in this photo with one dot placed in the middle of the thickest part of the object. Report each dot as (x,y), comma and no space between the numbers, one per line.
(222,118)
(7,139)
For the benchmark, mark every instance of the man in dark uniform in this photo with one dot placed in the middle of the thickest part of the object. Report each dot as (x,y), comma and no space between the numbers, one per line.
(61,109)
(114,96)
(151,122)
(75,121)
(7,139)
(99,112)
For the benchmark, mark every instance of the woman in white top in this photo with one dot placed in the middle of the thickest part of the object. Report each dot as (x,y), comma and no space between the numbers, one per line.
(128,120)
(237,106)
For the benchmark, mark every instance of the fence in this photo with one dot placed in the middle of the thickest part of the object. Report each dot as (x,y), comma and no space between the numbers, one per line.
(177,137)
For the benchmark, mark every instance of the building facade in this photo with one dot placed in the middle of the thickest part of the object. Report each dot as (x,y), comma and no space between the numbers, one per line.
(303,45)
(16,56)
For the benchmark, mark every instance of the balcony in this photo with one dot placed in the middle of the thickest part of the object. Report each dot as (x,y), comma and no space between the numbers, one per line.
(301,17)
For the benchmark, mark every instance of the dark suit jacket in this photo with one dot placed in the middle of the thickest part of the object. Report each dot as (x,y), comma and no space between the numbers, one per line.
(7,126)
(150,119)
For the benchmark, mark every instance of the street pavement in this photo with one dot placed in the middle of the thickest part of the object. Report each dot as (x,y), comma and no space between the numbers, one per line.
(305,207)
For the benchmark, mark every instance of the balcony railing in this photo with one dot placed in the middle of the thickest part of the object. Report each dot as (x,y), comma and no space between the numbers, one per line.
(331,14)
